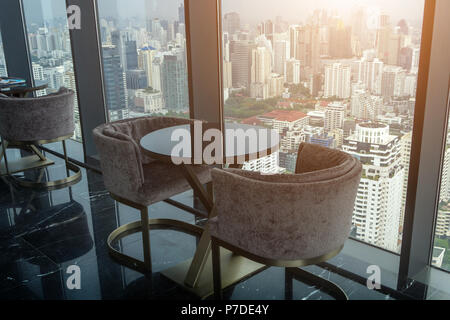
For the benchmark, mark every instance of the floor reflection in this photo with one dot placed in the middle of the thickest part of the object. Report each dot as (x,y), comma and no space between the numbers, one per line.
(43,233)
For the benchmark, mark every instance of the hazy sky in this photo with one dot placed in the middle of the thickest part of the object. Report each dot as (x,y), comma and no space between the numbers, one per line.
(255,10)
(294,10)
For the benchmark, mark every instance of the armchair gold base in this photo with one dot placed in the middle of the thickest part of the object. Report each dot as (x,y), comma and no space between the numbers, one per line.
(143,226)
(235,269)
(292,268)
(35,162)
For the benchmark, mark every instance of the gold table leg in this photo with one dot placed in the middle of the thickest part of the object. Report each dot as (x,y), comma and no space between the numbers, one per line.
(204,246)
(192,274)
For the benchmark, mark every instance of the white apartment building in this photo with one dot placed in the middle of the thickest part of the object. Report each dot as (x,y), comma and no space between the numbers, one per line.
(365,106)
(334,116)
(393,82)
(151,100)
(293,71)
(369,72)
(378,205)
(284,119)
(337,81)
(265,165)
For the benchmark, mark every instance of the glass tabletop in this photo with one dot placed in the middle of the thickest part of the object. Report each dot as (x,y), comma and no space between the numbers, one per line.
(195,144)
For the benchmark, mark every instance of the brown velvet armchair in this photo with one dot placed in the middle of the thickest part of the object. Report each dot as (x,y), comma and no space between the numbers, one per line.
(30,122)
(139,181)
(286,220)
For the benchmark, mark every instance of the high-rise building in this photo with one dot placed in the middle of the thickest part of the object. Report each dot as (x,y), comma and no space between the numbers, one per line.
(131,55)
(241,61)
(227,75)
(115,82)
(405,141)
(305,42)
(405,58)
(145,62)
(334,116)
(370,73)
(315,84)
(384,34)
(393,82)
(293,71)
(181,17)
(337,81)
(174,83)
(340,41)
(280,49)
(136,79)
(365,106)
(394,46)
(151,100)
(231,22)
(415,61)
(261,68)
(378,205)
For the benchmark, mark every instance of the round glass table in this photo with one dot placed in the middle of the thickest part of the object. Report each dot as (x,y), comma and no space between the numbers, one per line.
(197,144)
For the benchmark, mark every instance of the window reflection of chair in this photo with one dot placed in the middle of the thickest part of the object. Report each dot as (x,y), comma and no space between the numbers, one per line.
(287,221)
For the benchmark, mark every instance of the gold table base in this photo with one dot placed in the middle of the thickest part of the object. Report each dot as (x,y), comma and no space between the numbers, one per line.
(234,269)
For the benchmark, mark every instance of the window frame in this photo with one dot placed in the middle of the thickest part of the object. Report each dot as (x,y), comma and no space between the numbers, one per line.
(204,66)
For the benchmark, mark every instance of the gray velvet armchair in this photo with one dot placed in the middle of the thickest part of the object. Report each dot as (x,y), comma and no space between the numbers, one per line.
(286,220)
(139,181)
(31,122)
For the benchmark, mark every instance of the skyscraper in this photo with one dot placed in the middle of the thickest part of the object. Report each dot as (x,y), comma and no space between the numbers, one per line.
(115,83)
(370,73)
(293,71)
(334,116)
(260,73)
(145,62)
(231,23)
(131,55)
(174,83)
(378,204)
(337,81)
(181,17)
(393,82)
(280,53)
(240,52)
(340,41)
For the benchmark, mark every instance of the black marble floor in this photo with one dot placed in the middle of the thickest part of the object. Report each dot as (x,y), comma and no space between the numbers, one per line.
(43,233)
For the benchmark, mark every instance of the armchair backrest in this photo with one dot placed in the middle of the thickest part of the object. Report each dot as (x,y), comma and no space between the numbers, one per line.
(121,158)
(286,219)
(33,119)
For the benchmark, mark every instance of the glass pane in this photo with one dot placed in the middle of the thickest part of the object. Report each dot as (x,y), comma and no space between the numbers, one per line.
(441,252)
(51,52)
(3,71)
(341,74)
(144,58)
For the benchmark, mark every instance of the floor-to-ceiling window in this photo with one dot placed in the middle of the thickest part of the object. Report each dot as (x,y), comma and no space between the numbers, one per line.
(51,56)
(341,74)
(144,58)
(3,71)
(441,249)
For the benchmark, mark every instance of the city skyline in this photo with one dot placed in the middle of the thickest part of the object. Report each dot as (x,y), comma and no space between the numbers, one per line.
(299,11)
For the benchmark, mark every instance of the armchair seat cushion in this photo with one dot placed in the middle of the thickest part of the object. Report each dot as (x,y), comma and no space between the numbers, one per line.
(163,181)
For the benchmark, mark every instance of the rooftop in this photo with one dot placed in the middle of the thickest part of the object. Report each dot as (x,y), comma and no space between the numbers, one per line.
(284,115)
